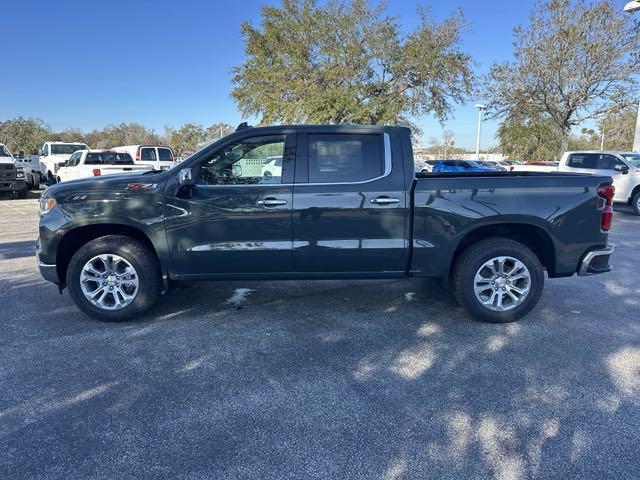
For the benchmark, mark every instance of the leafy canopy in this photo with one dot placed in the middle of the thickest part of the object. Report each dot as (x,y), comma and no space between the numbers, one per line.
(575,61)
(347,62)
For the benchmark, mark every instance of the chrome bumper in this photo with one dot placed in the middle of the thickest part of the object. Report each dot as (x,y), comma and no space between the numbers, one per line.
(596,261)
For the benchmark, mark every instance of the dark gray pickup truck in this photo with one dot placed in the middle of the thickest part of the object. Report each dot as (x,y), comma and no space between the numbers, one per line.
(321,202)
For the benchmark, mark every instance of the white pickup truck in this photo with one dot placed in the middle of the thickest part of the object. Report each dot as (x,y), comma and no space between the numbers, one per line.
(54,154)
(94,163)
(622,167)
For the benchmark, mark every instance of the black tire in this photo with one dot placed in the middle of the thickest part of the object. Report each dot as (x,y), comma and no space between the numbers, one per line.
(22,194)
(138,255)
(635,203)
(50,179)
(29,181)
(472,258)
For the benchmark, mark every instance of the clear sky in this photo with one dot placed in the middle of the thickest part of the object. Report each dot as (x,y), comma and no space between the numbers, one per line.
(86,64)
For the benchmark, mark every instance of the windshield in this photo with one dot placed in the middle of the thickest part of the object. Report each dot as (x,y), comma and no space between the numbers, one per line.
(4,152)
(66,149)
(632,158)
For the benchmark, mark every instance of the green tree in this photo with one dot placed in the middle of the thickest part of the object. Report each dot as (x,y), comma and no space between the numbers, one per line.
(188,138)
(26,134)
(122,134)
(574,61)
(345,62)
(619,128)
(529,139)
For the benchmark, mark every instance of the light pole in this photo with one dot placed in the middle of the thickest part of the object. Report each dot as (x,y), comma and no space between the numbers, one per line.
(632,7)
(480,108)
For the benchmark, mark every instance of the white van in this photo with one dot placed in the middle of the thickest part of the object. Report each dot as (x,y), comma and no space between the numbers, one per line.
(157,157)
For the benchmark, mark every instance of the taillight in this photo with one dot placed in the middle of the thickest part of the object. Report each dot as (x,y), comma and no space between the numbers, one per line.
(138,155)
(607,192)
(96,172)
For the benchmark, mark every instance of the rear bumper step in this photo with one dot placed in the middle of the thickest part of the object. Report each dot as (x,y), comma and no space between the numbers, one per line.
(596,261)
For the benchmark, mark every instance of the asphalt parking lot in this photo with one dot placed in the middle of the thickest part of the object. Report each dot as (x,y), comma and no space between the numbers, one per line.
(331,379)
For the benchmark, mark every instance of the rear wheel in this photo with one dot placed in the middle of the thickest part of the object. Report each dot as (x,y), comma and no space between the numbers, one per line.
(114,278)
(635,203)
(498,280)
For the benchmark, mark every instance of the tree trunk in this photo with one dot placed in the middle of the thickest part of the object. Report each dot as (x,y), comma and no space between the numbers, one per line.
(564,144)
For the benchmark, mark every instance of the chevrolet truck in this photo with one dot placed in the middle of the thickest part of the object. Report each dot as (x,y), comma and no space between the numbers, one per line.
(12,178)
(53,155)
(346,204)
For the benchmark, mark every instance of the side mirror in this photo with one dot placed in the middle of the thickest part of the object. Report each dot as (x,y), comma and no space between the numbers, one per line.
(185,177)
(624,169)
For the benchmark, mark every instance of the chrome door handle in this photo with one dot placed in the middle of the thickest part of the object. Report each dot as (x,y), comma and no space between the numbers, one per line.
(385,200)
(271,202)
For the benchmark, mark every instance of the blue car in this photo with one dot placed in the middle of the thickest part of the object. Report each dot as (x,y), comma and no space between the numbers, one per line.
(461,166)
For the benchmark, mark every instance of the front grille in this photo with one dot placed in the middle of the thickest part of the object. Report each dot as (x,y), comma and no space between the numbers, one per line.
(7,172)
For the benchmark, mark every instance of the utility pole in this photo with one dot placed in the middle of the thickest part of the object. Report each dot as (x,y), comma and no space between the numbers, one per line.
(636,137)
(480,108)
(602,141)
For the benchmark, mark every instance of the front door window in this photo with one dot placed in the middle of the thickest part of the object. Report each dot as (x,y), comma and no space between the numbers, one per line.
(251,161)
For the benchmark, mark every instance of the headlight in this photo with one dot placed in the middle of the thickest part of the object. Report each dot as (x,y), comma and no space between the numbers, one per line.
(19,172)
(47,204)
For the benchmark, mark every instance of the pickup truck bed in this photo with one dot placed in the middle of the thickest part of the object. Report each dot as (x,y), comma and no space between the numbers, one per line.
(346,204)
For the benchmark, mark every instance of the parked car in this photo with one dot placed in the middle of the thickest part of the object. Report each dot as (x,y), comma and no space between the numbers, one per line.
(272,167)
(622,167)
(461,166)
(12,179)
(95,163)
(54,154)
(347,205)
(158,157)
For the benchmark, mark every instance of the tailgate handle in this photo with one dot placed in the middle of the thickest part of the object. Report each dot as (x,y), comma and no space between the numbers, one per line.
(271,202)
(385,200)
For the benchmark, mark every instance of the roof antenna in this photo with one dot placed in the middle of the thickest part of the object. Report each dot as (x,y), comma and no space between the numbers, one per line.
(242,126)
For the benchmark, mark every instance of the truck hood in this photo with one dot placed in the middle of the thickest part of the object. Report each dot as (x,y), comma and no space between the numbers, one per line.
(115,182)
(6,160)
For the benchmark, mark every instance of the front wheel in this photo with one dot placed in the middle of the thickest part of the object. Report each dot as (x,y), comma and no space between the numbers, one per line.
(498,280)
(114,278)
(635,203)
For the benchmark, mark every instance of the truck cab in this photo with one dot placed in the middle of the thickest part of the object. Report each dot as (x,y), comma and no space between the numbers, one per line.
(12,178)
(622,167)
(54,154)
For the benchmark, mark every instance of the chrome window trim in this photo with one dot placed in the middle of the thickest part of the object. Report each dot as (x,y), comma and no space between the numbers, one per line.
(387,172)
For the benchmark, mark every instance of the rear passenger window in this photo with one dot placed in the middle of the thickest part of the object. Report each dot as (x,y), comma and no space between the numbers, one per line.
(583,160)
(108,158)
(165,155)
(148,154)
(338,158)
(607,162)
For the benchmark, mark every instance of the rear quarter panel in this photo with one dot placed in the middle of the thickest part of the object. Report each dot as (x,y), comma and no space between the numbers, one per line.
(566,207)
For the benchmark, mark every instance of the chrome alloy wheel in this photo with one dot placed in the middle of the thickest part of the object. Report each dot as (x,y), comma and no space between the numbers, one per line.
(109,282)
(502,283)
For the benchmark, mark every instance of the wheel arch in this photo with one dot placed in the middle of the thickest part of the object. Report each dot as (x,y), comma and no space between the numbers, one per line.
(530,235)
(76,238)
